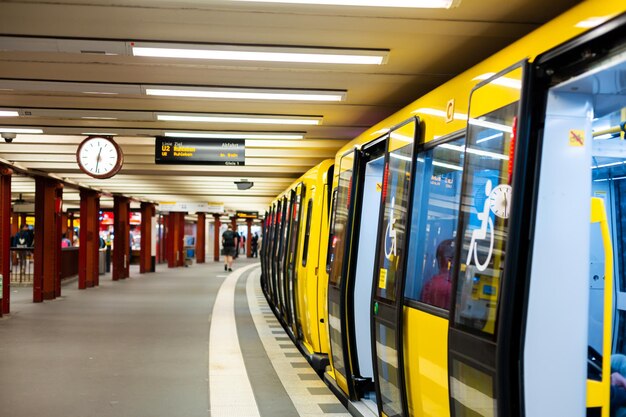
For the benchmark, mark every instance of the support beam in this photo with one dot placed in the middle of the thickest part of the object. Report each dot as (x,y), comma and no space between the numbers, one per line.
(5,238)
(88,251)
(146,263)
(216,238)
(201,238)
(249,239)
(47,265)
(121,238)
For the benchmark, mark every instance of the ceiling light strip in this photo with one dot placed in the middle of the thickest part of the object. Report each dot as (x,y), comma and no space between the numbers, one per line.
(414,4)
(4,129)
(235,135)
(224,118)
(9,113)
(261,53)
(259,94)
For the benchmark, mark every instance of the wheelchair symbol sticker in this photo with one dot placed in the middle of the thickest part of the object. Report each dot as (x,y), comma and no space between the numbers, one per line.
(480,234)
(390,233)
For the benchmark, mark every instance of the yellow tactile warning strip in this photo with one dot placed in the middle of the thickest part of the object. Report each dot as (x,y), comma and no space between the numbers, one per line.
(309,394)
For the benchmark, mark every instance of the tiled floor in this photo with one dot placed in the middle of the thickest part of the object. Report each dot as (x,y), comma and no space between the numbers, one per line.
(178,343)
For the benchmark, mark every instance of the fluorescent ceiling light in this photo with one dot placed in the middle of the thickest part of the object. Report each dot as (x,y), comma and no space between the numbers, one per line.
(98,134)
(490,137)
(9,113)
(19,130)
(98,118)
(241,118)
(261,53)
(421,4)
(234,135)
(475,151)
(104,93)
(248,94)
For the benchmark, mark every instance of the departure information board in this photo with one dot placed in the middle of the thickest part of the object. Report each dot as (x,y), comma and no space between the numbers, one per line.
(199,151)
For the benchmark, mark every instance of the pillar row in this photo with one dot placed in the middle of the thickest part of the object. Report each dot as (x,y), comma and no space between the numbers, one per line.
(174,235)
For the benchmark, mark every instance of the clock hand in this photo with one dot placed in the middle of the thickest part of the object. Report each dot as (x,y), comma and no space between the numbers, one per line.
(505,204)
(98,158)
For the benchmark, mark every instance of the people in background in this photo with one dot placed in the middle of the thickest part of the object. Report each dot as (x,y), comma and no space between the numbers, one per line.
(436,292)
(229,247)
(65,242)
(24,238)
(243,243)
(254,243)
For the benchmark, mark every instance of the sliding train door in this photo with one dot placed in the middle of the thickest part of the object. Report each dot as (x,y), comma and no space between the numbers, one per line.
(574,332)
(389,271)
(291,269)
(337,267)
(484,331)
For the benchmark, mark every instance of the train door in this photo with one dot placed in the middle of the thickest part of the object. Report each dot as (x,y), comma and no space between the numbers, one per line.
(389,271)
(338,253)
(580,200)
(281,255)
(482,335)
(278,219)
(428,284)
(360,275)
(292,263)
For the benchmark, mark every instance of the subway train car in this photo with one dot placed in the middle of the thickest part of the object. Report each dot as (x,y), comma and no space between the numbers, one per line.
(293,280)
(470,248)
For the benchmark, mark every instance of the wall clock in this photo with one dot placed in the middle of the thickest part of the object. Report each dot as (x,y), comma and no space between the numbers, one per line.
(99,157)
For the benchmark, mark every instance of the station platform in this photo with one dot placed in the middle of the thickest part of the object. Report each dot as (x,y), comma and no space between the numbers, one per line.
(185,342)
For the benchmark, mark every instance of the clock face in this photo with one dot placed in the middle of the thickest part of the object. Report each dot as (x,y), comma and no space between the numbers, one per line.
(99,157)
(500,200)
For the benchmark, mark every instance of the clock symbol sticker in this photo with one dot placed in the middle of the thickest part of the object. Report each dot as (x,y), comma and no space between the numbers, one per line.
(500,200)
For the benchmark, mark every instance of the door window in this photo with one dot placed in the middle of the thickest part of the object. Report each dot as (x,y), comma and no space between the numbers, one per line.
(436,197)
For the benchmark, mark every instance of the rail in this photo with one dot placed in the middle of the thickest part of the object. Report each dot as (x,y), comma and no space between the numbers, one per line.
(22,266)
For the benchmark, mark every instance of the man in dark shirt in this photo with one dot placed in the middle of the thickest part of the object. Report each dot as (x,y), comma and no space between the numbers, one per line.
(228,245)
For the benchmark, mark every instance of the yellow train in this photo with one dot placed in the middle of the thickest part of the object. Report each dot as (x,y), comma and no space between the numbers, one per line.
(464,266)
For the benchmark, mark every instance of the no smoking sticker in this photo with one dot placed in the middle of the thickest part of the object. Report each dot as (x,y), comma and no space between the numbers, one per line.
(576,137)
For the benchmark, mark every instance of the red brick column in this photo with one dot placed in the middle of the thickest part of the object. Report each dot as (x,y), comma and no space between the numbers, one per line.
(5,237)
(121,239)
(175,234)
(47,266)
(217,241)
(88,251)
(201,238)
(145,252)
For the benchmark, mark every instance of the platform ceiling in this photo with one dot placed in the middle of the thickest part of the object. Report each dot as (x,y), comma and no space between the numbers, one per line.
(426,48)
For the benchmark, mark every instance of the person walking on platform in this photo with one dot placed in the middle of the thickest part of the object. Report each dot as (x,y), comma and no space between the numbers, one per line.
(254,244)
(236,244)
(229,248)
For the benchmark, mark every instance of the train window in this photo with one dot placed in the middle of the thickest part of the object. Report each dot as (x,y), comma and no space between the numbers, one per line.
(436,196)
(307,231)
(341,220)
(395,196)
(486,199)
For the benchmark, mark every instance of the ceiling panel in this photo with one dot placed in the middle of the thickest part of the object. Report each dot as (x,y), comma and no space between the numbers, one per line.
(47,46)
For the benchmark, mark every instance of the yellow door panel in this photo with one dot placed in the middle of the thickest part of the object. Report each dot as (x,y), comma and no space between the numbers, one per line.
(426,363)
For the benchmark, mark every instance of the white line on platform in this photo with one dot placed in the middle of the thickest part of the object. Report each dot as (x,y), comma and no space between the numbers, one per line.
(230,391)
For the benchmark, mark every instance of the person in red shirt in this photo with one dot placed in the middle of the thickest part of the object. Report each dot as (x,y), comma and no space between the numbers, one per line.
(437,290)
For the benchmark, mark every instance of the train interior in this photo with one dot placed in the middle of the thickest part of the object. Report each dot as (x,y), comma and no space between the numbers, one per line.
(370,210)
(579,246)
